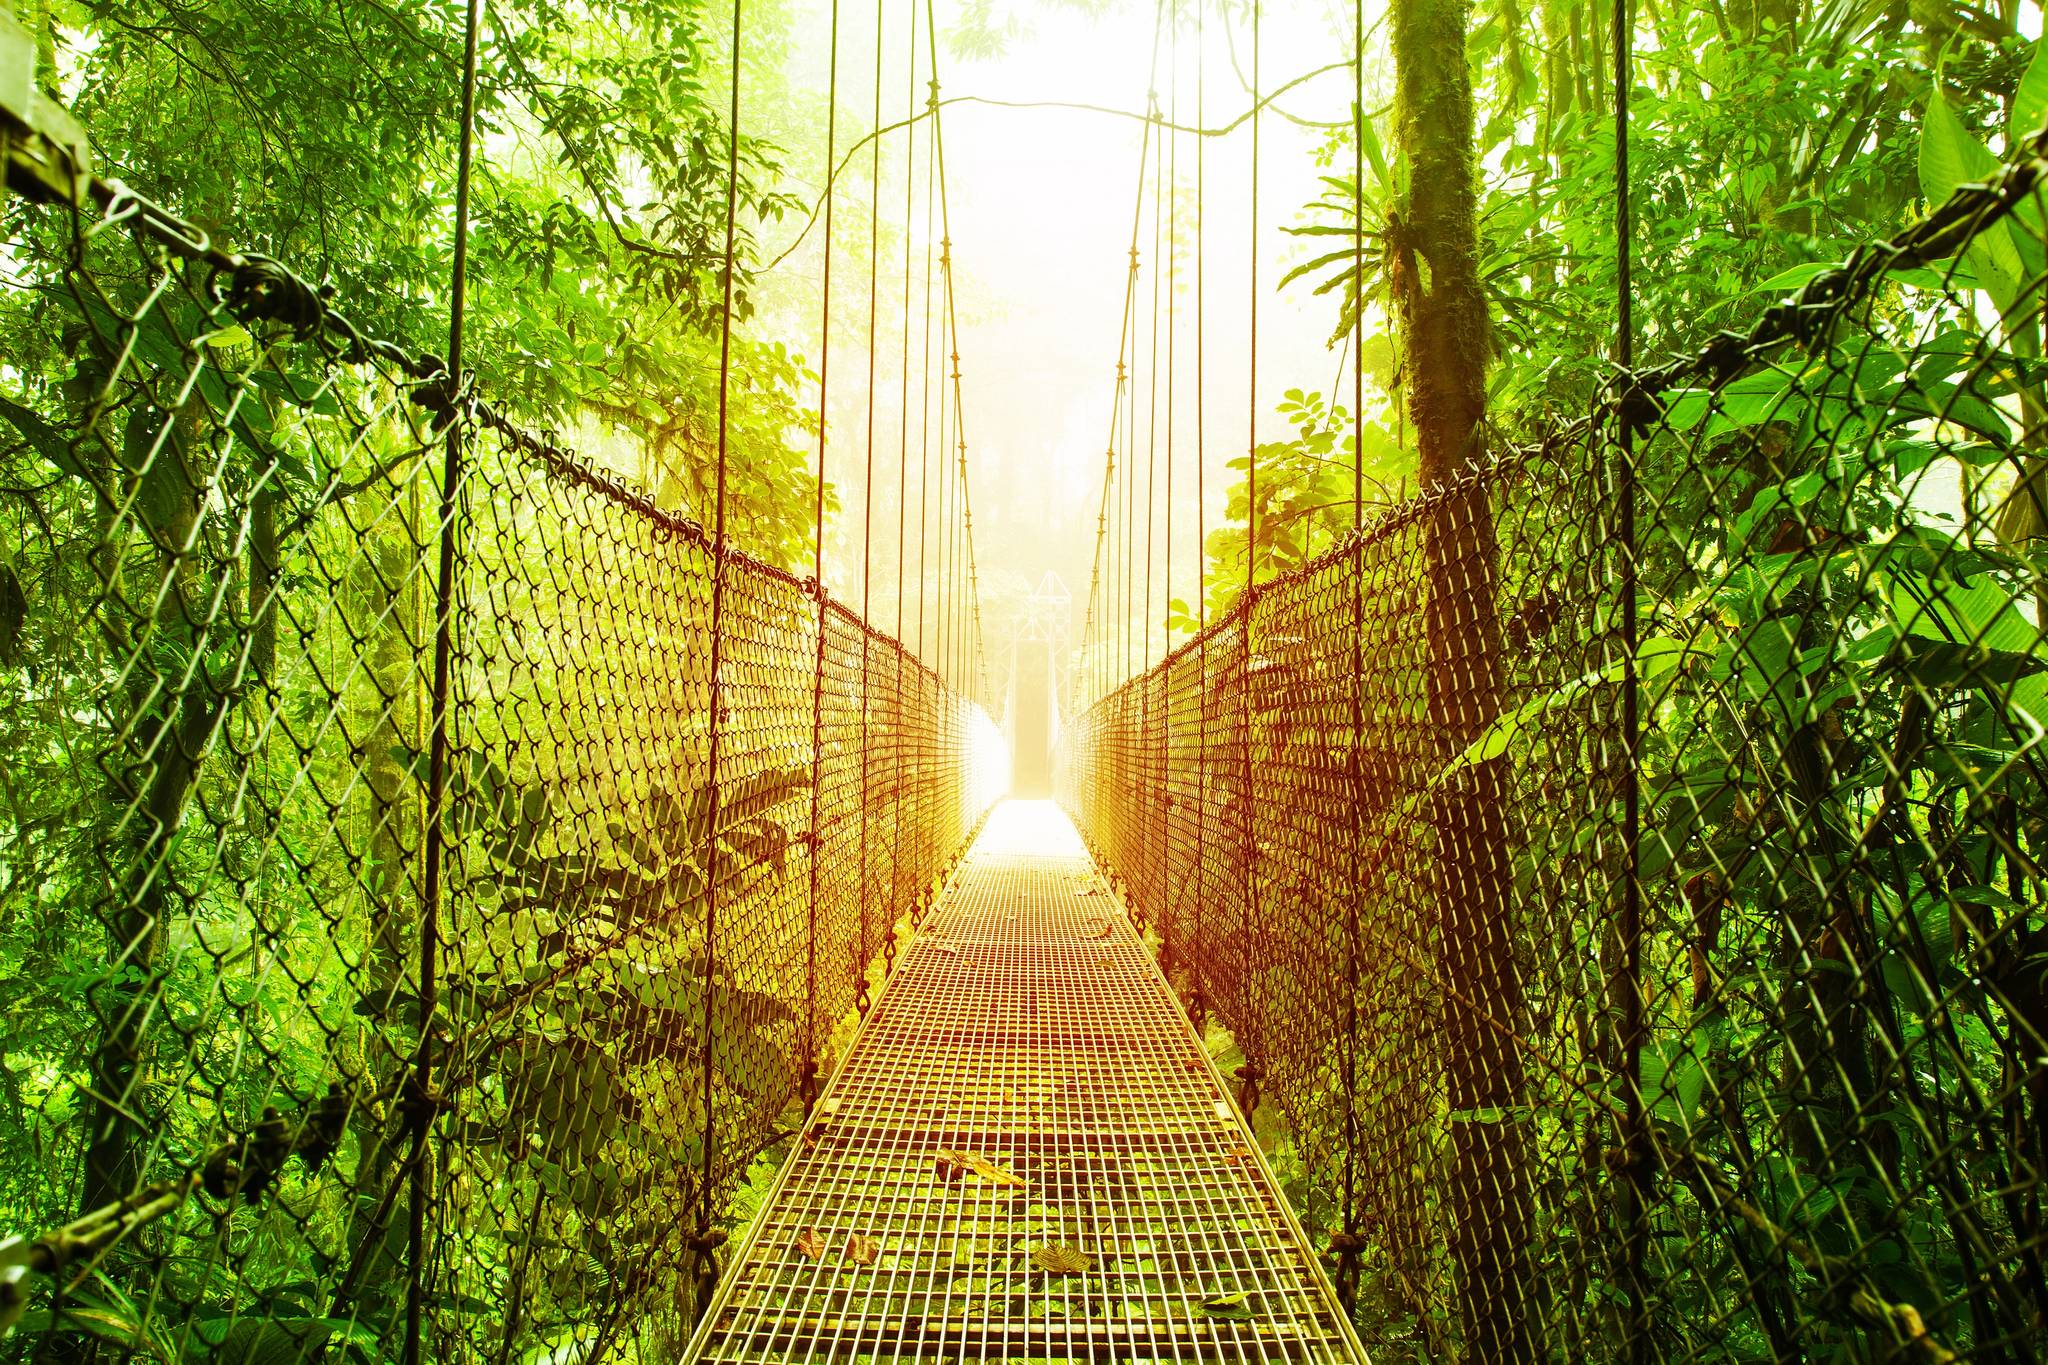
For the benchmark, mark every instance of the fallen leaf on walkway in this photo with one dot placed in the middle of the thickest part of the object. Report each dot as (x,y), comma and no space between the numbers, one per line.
(951,1164)
(1232,1306)
(1102,930)
(1062,1260)
(1086,890)
(811,1244)
(862,1249)
(948,949)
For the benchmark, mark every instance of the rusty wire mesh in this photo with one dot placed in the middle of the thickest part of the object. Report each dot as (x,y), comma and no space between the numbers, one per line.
(217,627)
(1787,1101)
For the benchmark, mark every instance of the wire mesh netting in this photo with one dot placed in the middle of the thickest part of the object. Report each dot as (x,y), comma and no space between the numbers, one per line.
(320,1070)
(1621,866)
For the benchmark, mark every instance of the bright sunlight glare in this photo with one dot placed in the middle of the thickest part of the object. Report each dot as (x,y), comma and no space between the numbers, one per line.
(988,761)
(1036,829)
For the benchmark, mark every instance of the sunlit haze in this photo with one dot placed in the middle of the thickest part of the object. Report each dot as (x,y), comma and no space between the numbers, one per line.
(1037,828)
(1041,203)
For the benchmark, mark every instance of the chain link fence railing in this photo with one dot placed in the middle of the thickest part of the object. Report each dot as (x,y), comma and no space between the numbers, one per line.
(308,1103)
(1719,1035)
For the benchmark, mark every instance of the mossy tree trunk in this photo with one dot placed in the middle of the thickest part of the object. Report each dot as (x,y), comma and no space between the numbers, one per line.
(1434,271)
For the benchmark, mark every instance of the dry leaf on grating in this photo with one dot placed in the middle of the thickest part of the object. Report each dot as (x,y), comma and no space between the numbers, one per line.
(1062,1260)
(952,1164)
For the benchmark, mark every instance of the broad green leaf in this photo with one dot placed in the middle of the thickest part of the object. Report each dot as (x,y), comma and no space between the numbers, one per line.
(1950,157)
(1958,405)
(1655,657)
(1951,275)
(1975,613)
(1785,281)
(287,1341)
(1951,663)
(1672,1080)
(1375,155)
(151,451)
(119,1325)
(1979,614)
(46,440)
(1769,395)
(2030,101)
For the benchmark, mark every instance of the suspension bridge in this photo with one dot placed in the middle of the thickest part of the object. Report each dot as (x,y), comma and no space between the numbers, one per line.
(1590,909)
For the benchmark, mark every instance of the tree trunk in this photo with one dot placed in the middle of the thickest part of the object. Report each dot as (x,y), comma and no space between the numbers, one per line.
(1442,310)
(173,722)
(385,721)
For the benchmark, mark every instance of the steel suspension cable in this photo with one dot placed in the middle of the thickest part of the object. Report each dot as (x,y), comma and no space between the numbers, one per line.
(1144,614)
(809,1078)
(1129,535)
(1169,919)
(924,412)
(1152,409)
(949,447)
(1132,511)
(965,514)
(1636,1139)
(1196,1006)
(867,518)
(1095,629)
(1249,1074)
(1251,474)
(1201,352)
(897,737)
(1130,576)
(942,453)
(434,851)
(1172,268)
(1351,1246)
(924,488)
(703,1242)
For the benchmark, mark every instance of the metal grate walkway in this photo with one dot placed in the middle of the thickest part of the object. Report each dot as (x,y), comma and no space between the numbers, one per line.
(1026,1036)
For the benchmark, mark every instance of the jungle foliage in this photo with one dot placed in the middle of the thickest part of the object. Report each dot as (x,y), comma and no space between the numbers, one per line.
(1766,140)
(220,531)
(1807,1122)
